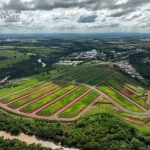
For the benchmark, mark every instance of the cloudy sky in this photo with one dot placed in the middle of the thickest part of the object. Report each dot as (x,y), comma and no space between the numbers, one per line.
(75,16)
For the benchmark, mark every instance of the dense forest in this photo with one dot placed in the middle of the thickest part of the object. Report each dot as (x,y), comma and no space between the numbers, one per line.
(6,144)
(142,67)
(96,132)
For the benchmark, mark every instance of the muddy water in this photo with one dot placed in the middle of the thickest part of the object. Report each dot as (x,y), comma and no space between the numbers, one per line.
(32,139)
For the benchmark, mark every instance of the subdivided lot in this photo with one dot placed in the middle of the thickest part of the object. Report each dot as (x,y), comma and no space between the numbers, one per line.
(37,95)
(128,93)
(24,92)
(25,83)
(100,78)
(122,80)
(39,103)
(68,73)
(118,98)
(79,74)
(80,105)
(63,101)
(89,76)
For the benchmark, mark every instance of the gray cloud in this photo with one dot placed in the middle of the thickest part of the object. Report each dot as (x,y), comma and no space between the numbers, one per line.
(87,19)
(87,4)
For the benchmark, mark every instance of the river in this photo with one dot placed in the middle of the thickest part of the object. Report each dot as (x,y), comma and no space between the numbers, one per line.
(33,139)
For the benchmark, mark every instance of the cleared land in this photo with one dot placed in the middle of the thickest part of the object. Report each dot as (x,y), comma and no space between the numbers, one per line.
(99,78)
(118,98)
(128,93)
(77,107)
(27,91)
(79,74)
(89,76)
(129,84)
(63,101)
(23,101)
(35,105)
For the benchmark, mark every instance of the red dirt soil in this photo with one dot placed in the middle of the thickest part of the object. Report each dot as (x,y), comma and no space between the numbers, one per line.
(132,120)
(126,92)
(148,124)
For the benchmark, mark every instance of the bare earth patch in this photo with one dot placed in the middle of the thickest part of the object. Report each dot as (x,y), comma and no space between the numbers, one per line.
(115,109)
(127,92)
(132,120)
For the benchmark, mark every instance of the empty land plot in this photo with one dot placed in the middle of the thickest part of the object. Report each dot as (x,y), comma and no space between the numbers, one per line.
(129,84)
(127,93)
(80,105)
(63,101)
(89,76)
(99,78)
(23,84)
(23,101)
(35,105)
(114,84)
(27,91)
(68,73)
(118,98)
(79,74)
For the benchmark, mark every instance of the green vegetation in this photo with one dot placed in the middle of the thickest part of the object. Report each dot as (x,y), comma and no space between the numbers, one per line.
(129,84)
(115,84)
(23,101)
(80,74)
(63,101)
(41,102)
(117,97)
(99,78)
(25,84)
(89,76)
(134,97)
(74,109)
(15,144)
(27,91)
(12,57)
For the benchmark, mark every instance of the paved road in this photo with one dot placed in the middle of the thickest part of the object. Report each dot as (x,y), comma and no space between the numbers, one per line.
(55,116)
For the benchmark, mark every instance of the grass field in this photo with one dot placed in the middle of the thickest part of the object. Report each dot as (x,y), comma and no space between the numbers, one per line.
(67,73)
(99,78)
(129,84)
(118,98)
(62,102)
(114,84)
(12,57)
(22,84)
(74,109)
(31,107)
(27,91)
(79,74)
(89,76)
(34,96)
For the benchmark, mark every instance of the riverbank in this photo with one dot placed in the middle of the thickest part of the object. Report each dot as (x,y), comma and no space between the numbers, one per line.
(33,139)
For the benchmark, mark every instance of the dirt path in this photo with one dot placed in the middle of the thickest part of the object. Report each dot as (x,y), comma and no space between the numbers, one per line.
(133,120)
(148,98)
